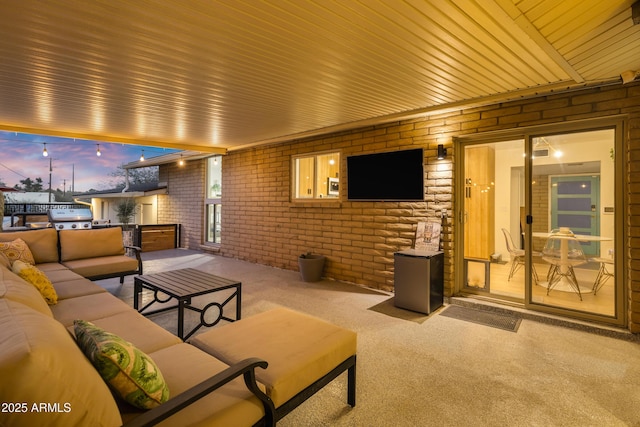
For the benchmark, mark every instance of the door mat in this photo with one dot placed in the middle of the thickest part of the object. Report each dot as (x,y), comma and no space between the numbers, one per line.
(483,317)
(387,307)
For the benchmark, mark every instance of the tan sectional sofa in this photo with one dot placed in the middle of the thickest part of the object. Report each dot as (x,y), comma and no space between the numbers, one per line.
(94,253)
(46,380)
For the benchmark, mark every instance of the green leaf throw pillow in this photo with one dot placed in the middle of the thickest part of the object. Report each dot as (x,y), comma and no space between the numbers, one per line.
(129,372)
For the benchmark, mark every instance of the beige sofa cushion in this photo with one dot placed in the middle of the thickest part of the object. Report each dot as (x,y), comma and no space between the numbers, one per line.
(88,307)
(16,289)
(61,275)
(40,362)
(4,261)
(103,265)
(231,405)
(51,266)
(299,348)
(134,327)
(43,244)
(77,288)
(82,244)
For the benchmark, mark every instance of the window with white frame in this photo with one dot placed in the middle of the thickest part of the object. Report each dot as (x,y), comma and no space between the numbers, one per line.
(213,200)
(316,176)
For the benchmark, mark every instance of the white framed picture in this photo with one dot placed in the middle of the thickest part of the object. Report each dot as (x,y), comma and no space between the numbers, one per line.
(333,186)
(428,236)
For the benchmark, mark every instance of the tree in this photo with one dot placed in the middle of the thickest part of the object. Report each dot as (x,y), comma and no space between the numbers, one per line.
(29,185)
(136,176)
(63,196)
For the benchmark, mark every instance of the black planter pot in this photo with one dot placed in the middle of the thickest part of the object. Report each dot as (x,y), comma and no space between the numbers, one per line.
(311,267)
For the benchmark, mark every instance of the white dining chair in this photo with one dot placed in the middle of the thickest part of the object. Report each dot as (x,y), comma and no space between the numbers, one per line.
(603,273)
(564,253)
(517,256)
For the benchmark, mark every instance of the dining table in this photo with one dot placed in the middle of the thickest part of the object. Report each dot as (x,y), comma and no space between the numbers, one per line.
(564,253)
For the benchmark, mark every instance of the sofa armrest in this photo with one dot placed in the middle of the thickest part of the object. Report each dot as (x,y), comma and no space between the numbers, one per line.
(137,250)
(181,401)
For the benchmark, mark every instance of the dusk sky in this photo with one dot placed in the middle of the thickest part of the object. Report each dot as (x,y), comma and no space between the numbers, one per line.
(72,160)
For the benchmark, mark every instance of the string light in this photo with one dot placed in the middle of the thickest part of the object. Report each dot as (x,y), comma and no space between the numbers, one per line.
(98,153)
(45,153)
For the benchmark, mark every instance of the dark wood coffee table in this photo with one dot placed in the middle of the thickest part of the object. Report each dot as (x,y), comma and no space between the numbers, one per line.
(183,285)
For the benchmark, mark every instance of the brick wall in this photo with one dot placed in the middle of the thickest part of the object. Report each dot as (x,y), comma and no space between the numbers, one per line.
(184,204)
(261,224)
(540,209)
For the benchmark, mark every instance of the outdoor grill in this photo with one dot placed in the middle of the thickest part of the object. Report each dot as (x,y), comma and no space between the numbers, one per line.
(69,219)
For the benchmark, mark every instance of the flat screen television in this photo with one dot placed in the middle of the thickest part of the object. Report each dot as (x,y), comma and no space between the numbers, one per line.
(393,175)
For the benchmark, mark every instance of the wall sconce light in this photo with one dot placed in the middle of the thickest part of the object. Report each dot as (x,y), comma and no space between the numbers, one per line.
(442,152)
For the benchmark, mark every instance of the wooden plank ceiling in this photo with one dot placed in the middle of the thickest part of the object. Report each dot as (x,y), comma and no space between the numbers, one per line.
(215,75)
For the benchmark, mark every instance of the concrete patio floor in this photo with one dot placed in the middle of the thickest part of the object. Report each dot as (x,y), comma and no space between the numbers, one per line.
(437,370)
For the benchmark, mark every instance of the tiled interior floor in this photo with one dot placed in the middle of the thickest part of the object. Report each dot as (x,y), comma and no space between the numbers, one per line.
(439,371)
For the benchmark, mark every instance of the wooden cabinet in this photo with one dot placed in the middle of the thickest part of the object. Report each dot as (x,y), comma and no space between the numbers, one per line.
(479,202)
(157,237)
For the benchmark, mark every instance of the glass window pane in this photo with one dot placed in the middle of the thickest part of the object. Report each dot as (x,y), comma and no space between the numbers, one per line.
(214,215)
(574,221)
(304,177)
(328,168)
(582,204)
(316,176)
(214,177)
(574,187)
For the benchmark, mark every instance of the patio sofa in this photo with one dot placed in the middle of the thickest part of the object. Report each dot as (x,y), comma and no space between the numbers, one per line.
(94,253)
(48,380)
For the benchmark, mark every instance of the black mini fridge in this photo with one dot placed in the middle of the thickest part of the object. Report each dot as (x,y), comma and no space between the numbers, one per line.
(419,280)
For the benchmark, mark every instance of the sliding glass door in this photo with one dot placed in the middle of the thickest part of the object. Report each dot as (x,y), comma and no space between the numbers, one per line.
(539,224)
(493,212)
(574,221)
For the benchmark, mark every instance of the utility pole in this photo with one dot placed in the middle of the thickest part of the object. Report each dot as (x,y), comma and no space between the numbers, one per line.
(50,170)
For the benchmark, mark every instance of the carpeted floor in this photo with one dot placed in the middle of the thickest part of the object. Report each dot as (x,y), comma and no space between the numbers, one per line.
(418,370)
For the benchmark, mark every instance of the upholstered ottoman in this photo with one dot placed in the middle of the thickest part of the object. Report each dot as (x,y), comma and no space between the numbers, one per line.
(304,353)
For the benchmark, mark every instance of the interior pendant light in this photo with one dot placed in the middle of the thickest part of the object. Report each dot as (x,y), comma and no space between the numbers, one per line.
(98,153)
(45,153)
(142,156)
(181,161)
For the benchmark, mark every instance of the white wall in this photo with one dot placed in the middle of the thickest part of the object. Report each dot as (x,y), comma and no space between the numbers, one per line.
(104,208)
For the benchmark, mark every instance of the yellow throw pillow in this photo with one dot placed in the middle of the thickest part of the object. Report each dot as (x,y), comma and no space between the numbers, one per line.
(38,279)
(17,250)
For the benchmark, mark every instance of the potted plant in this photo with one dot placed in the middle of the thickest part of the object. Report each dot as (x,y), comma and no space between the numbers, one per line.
(311,266)
(125,210)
